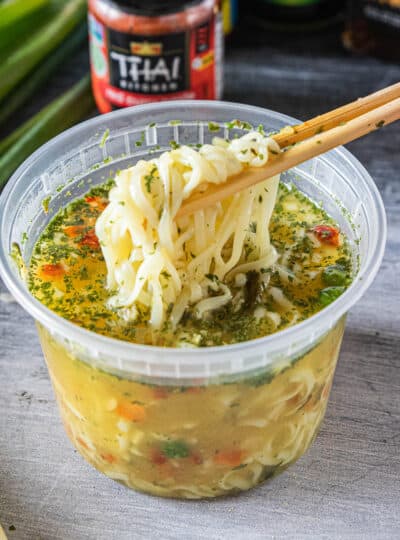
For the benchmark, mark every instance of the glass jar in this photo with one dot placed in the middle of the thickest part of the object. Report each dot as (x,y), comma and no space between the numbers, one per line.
(154,50)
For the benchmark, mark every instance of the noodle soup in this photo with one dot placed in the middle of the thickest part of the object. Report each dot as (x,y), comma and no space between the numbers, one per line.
(202,440)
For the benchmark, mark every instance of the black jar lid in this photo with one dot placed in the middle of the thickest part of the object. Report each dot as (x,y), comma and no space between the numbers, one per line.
(154,8)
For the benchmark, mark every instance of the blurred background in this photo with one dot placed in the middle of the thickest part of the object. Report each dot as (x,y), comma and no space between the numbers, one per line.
(300,57)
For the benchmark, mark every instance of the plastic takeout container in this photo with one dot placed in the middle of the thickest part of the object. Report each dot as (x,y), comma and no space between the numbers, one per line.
(187,423)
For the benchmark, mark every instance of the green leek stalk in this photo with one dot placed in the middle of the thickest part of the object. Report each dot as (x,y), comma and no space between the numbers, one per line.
(65,111)
(25,58)
(38,78)
(12,11)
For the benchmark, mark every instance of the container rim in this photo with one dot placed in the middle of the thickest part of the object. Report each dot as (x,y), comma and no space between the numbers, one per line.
(115,347)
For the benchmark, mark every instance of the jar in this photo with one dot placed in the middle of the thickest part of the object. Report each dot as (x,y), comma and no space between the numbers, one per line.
(154,50)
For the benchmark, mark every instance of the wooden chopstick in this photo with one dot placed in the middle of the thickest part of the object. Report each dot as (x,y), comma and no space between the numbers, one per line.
(312,147)
(324,122)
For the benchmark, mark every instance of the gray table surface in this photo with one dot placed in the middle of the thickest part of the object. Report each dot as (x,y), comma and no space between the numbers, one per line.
(348,484)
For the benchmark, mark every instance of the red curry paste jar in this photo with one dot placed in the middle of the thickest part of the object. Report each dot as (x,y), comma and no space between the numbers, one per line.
(154,50)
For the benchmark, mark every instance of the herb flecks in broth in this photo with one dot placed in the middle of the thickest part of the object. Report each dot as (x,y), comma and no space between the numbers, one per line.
(68,274)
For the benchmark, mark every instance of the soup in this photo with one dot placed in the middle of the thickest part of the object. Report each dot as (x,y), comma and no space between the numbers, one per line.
(200,440)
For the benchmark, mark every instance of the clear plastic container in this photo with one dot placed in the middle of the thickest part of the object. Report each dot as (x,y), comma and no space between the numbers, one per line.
(187,423)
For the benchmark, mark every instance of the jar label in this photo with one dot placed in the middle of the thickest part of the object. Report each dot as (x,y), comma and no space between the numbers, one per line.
(129,69)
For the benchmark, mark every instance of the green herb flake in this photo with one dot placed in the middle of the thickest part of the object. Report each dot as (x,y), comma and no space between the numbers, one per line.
(253,227)
(46,203)
(213,126)
(175,449)
(149,179)
(104,138)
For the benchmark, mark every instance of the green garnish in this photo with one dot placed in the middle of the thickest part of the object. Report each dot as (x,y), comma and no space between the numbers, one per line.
(149,179)
(334,275)
(175,449)
(329,295)
(253,227)
(45,204)
(213,126)
(104,138)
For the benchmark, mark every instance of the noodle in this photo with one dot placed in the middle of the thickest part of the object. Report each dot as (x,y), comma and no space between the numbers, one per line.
(159,265)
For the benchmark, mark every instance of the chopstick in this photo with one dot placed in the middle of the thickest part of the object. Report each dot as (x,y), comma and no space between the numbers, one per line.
(324,122)
(319,143)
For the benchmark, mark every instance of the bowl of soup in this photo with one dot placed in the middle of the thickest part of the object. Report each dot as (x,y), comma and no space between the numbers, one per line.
(218,400)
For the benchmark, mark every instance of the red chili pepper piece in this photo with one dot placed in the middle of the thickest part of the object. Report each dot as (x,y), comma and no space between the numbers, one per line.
(159,392)
(90,239)
(96,202)
(53,270)
(157,457)
(327,234)
(196,458)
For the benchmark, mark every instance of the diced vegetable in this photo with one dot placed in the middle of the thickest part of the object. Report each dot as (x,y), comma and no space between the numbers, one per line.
(175,449)
(74,230)
(334,275)
(24,59)
(327,234)
(330,294)
(131,411)
(62,113)
(52,270)
(38,78)
(96,202)
(90,239)
(231,458)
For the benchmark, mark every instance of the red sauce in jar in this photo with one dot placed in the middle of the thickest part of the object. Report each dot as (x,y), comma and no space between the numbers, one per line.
(154,50)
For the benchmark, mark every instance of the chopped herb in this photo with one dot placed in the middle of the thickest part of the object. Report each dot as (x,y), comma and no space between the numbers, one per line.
(104,138)
(174,145)
(45,204)
(213,126)
(149,179)
(175,449)
(253,227)
(329,295)
(380,124)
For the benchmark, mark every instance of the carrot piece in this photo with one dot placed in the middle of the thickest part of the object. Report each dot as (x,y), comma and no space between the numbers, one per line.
(327,234)
(230,458)
(52,270)
(159,392)
(157,457)
(82,443)
(96,202)
(131,411)
(74,230)
(109,458)
(90,239)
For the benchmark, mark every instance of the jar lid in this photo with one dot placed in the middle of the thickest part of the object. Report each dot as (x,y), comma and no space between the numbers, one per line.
(154,8)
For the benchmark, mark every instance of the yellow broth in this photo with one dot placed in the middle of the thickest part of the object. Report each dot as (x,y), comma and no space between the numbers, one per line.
(202,440)
(68,274)
(199,441)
